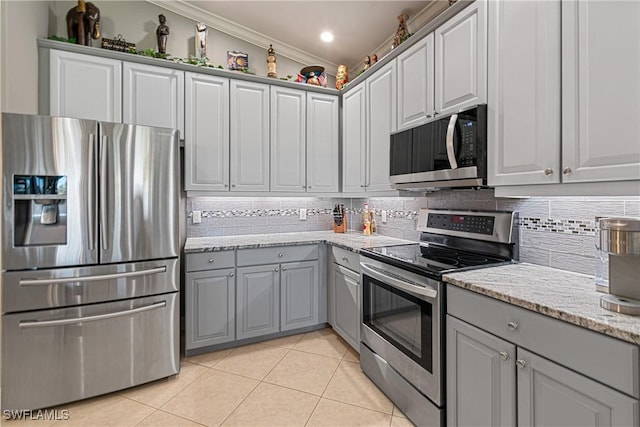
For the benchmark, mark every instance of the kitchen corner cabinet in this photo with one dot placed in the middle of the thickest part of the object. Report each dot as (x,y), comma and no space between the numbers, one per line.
(381,121)
(461,60)
(504,360)
(354,139)
(323,168)
(210,289)
(416,84)
(207,133)
(288,137)
(86,87)
(258,301)
(344,295)
(153,96)
(249,133)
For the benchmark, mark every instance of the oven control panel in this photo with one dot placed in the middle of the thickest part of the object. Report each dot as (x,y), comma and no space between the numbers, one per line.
(477,224)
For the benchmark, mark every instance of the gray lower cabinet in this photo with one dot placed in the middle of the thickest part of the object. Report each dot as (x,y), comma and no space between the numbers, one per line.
(210,307)
(345,286)
(299,294)
(258,301)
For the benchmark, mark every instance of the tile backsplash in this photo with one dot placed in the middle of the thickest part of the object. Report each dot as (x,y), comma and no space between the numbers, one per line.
(556,231)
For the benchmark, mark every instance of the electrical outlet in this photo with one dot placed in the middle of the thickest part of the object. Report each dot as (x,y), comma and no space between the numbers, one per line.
(196,217)
(383,214)
(303,214)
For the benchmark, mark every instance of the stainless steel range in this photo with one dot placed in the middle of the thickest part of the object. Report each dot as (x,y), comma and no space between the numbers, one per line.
(403,298)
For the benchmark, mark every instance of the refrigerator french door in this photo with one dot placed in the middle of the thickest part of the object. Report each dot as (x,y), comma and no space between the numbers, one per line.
(90,258)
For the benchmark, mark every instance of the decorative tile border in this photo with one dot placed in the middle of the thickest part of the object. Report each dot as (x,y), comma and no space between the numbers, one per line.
(243,213)
(564,226)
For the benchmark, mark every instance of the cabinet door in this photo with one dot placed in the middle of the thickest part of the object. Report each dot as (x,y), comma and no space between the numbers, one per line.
(249,134)
(85,86)
(600,90)
(461,60)
(347,305)
(354,139)
(299,295)
(288,133)
(258,301)
(415,84)
(207,136)
(210,308)
(153,96)
(381,117)
(481,377)
(322,143)
(524,92)
(551,395)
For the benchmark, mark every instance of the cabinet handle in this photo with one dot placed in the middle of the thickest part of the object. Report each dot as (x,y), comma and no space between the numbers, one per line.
(512,325)
(548,171)
(276,269)
(210,260)
(280,254)
(231,274)
(504,355)
(521,363)
(567,170)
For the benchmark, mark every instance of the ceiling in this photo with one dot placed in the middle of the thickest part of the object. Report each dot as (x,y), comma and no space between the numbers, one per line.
(359,27)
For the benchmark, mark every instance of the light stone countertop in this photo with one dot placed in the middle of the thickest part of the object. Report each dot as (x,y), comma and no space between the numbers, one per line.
(560,294)
(352,241)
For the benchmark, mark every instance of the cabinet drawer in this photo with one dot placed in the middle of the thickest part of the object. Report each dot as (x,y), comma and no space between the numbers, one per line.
(277,254)
(605,359)
(345,258)
(209,260)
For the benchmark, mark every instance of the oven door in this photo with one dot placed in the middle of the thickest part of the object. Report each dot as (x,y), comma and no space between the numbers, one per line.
(401,314)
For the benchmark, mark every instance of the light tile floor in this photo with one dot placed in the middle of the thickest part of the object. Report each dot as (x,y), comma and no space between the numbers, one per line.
(311,379)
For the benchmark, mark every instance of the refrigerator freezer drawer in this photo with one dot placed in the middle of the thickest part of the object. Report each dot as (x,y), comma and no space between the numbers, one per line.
(57,356)
(64,287)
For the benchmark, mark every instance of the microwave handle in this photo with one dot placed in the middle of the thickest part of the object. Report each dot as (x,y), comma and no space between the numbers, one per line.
(451,154)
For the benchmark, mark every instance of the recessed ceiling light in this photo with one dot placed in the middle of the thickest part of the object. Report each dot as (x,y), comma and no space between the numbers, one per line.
(326,37)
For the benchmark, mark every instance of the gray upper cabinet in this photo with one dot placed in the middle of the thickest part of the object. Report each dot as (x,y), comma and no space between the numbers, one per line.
(288,136)
(461,60)
(258,301)
(481,377)
(354,139)
(524,92)
(207,133)
(153,96)
(210,307)
(381,120)
(84,86)
(600,90)
(299,295)
(551,395)
(249,133)
(323,168)
(416,84)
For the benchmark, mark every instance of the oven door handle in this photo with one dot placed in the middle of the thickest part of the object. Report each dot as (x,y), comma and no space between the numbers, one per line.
(398,282)
(451,153)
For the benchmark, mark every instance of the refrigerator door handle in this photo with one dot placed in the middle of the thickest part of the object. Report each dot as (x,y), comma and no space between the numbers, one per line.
(104,164)
(60,322)
(94,278)
(92,190)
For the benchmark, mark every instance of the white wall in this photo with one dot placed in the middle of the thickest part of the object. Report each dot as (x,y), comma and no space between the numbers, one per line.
(22,23)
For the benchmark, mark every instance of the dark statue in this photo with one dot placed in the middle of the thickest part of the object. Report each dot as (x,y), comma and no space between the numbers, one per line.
(161,34)
(83,23)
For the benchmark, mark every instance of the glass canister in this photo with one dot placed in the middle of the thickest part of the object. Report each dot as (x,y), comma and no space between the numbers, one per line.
(602,263)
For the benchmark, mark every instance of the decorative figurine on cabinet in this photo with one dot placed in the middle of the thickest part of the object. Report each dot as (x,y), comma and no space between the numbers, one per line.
(342,76)
(83,23)
(201,40)
(162,33)
(374,58)
(271,62)
(401,33)
(367,62)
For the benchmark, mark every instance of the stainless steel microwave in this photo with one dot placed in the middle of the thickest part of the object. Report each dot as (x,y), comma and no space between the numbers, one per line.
(448,152)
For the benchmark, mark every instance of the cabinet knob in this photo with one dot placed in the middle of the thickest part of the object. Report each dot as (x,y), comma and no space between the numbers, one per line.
(567,170)
(284,269)
(276,269)
(428,116)
(435,113)
(210,260)
(345,259)
(512,325)
(280,254)
(233,185)
(548,171)
(504,355)
(521,363)
(308,187)
(231,274)
(226,185)
(362,186)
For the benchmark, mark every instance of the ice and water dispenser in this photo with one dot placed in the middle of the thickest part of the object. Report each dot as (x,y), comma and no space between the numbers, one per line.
(40,210)
(618,264)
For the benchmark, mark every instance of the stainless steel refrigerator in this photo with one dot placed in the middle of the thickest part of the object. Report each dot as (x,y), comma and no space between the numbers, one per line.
(90,255)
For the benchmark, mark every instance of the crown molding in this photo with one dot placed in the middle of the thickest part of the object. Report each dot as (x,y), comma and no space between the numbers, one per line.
(241,32)
(422,18)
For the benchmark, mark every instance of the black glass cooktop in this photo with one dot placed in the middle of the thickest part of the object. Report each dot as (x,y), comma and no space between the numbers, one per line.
(433,258)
